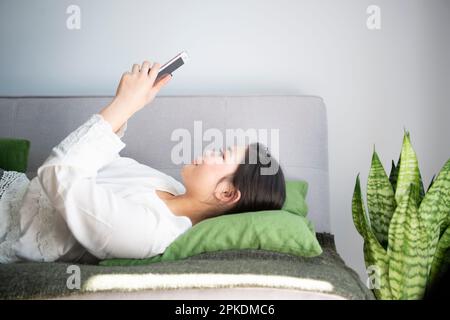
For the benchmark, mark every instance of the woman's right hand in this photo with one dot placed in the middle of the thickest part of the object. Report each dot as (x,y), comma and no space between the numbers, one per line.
(136,89)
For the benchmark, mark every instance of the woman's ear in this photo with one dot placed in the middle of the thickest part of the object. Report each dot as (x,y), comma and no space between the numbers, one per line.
(227,194)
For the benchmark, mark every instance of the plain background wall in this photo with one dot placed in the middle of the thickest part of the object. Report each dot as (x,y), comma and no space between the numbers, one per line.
(374,83)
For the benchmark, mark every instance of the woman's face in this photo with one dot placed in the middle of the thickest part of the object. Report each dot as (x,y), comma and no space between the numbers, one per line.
(201,178)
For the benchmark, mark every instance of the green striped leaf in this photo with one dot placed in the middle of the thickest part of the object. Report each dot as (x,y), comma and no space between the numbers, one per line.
(374,253)
(434,211)
(358,212)
(431,183)
(380,200)
(407,249)
(393,176)
(408,173)
(376,256)
(439,262)
(421,190)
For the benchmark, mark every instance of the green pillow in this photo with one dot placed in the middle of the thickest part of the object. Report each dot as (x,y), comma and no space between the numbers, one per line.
(14,154)
(276,230)
(296,191)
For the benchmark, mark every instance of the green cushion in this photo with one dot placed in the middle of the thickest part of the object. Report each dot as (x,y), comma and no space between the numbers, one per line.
(275,230)
(14,154)
(296,191)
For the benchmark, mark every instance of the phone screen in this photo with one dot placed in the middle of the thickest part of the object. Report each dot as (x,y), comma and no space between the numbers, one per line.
(170,67)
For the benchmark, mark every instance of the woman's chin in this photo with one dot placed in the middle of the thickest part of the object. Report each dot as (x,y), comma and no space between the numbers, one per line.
(185,170)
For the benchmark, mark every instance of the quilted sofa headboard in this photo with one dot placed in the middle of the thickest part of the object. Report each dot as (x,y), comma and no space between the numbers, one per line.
(301,122)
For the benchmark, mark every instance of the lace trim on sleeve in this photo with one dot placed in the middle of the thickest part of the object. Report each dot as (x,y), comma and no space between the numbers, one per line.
(13,186)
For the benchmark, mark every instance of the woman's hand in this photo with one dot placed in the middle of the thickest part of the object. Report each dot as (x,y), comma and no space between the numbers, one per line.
(136,89)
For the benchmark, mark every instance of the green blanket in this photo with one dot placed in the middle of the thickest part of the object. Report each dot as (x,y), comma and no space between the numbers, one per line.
(328,273)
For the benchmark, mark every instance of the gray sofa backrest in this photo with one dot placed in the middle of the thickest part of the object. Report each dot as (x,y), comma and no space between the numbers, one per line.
(301,121)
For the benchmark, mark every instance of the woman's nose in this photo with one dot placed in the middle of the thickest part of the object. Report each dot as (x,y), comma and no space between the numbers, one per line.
(210,153)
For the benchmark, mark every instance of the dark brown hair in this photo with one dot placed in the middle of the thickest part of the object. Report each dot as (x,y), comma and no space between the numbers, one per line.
(258,191)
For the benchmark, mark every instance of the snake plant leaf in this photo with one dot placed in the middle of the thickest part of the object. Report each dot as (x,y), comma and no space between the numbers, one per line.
(440,262)
(408,173)
(407,250)
(393,176)
(374,254)
(434,210)
(431,182)
(380,200)
(421,190)
(358,212)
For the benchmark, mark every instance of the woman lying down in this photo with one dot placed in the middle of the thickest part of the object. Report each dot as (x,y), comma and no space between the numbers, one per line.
(88,203)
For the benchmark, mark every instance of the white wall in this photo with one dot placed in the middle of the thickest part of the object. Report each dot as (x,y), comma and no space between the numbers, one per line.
(374,83)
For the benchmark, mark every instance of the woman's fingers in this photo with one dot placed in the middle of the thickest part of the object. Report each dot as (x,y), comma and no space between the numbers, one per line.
(154,71)
(135,68)
(162,81)
(139,87)
(145,67)
(151,71)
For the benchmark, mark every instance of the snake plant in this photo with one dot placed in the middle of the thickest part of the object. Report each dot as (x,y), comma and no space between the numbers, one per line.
(406,231)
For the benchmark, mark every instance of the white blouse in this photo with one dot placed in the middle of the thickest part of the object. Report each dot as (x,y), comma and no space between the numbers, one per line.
(87,197)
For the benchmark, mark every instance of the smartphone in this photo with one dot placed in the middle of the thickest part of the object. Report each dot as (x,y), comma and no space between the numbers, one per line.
(173,64)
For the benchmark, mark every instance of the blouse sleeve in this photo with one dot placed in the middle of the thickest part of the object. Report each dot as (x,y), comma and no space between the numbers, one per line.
(121,132)
(104,223)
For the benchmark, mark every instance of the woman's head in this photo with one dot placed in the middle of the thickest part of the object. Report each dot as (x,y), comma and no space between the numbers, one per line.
(238,179)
